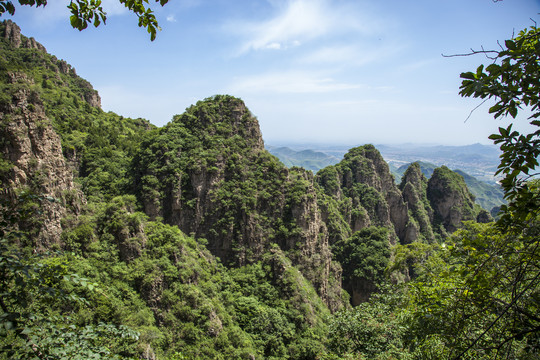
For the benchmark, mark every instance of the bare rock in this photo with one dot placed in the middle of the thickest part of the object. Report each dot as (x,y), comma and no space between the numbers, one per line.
(34,149)
(12,33)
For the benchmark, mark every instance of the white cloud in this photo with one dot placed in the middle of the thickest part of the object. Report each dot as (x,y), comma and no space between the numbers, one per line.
(355,55)
(171,18)
(290,82)
(113,7)
(300,21)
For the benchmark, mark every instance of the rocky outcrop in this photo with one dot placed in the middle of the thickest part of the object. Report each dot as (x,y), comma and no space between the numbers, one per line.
(31,43)
(208,173)
(33,149)
(363,179)
(413,188)
(12,33)
(450,199)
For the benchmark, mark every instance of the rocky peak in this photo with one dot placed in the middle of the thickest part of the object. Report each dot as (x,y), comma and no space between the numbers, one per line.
(364,177)
(33,150)
(368,167)
(450,199)
(208,173)
(413,188)
(12,33)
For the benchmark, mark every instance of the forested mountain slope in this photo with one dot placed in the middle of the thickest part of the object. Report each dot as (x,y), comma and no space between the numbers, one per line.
(125,240)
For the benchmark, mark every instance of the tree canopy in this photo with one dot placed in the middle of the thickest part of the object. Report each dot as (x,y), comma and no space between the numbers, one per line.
(513,81)
(84,12)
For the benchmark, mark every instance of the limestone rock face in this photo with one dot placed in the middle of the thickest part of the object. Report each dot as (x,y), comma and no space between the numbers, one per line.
(363,179)
(208,173)
(450,199)
(13,33)
(31,43)
(33,149)
(413,188)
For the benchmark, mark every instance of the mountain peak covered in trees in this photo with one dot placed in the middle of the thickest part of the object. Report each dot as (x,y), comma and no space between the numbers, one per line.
(192,241)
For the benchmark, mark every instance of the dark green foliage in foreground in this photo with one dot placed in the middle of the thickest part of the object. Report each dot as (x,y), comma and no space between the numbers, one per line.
(39,298)
(90,12)
(372,330)
(513,81)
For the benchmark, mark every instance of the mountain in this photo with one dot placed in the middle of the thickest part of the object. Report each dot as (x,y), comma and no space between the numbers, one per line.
(121,239)
(477,160)
(208,173)
(487,195)
(426,168)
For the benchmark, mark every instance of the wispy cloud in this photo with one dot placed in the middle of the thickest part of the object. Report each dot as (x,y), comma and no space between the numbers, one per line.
(290,82)
(299,21)
(171,18)
(113,7)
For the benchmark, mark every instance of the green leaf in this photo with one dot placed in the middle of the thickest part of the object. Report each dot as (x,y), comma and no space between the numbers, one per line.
(510,45)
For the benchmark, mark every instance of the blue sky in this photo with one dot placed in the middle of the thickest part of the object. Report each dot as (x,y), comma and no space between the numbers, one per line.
(326,71)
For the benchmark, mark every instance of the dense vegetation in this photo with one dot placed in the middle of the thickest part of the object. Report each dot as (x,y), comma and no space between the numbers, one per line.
(192,242)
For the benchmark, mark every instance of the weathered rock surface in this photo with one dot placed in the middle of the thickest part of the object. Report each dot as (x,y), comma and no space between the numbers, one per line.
(12,33)
(208,173)
(413,188)
(450,199)
(363,179)
(33,149)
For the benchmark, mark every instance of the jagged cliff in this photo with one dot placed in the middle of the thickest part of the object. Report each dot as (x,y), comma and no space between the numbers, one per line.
(364,187)
(32,155)
(413,187)
(451,200)
(207,172)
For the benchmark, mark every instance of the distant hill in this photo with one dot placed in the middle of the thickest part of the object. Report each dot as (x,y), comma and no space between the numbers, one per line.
(308,159)
(488,196)
(476,163)
(426,168)
(478,160)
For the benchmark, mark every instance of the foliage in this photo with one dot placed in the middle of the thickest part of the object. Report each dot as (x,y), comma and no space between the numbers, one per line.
(446,187)
(364,257)
(84,12)
(479,295)
(36,320)
(513,81)
(372,330)
(99,145)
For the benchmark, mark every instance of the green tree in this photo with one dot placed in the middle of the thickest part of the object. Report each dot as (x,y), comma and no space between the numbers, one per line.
(364,258)
(39,295)
(84,12)
(478,297)
(513,81)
